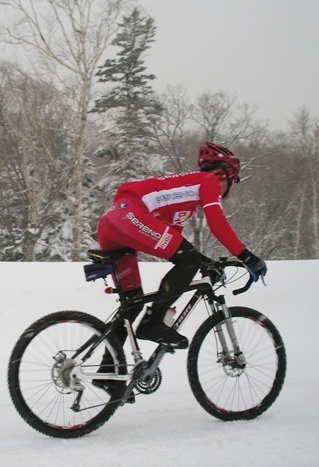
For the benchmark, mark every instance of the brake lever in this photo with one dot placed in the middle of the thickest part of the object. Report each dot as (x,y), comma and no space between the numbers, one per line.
(263,279)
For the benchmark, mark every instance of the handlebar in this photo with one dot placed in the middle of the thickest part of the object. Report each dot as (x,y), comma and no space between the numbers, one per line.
(216,271)
(245,288)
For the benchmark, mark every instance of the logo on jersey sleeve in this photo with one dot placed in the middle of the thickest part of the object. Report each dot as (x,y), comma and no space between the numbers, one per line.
(164,241)
(144,229)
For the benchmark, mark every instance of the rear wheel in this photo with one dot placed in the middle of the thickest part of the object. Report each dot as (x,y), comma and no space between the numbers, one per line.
(41,368)
(223,387)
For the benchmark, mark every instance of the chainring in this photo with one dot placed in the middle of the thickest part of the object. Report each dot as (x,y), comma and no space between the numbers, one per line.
(146,385)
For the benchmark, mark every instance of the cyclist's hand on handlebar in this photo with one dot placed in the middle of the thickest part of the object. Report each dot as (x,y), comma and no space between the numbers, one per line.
(209,268)
(256,266)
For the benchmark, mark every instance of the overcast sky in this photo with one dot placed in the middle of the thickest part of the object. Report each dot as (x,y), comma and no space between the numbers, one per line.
(266,52)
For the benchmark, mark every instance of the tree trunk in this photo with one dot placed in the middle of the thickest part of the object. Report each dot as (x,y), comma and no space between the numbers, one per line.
(78,171)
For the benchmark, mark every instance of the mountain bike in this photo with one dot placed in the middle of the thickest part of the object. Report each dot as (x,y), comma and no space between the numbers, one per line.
(236,362)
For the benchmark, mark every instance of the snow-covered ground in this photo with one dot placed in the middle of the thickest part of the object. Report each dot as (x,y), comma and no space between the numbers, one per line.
(169,428)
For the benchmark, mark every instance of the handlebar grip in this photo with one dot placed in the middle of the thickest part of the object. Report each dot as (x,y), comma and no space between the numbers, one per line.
(245,288)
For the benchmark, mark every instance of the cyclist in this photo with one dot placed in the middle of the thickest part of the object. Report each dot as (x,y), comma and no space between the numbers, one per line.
(149,216)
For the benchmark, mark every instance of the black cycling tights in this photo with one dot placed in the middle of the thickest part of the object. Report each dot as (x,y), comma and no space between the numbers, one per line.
(187,262)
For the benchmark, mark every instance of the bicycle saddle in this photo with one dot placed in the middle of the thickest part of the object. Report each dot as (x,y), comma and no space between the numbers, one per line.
(109,256)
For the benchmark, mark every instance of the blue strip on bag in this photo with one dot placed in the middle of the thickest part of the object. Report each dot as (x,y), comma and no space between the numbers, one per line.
(97,271)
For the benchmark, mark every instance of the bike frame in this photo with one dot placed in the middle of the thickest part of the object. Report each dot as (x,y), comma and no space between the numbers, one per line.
(203,288)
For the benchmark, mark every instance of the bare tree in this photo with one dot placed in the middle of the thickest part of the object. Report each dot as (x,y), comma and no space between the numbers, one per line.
(70,35)
(171,130)
(221,119)
(34,160)
(304,134)
(212,113)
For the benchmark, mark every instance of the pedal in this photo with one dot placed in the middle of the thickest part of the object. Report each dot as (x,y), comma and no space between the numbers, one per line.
(168,348)
(129,396)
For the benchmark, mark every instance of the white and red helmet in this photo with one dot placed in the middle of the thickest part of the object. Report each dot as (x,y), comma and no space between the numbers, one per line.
(216,158)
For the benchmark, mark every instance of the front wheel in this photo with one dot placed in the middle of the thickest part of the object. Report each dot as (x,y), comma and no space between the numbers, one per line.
(225,388)
(43,362)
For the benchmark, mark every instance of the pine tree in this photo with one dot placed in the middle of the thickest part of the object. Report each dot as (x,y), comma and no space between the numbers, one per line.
(130,99)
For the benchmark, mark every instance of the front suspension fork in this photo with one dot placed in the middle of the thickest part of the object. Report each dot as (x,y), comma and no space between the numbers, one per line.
(237,352)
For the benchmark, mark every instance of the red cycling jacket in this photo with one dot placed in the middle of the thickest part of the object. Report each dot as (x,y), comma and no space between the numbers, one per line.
(174,198)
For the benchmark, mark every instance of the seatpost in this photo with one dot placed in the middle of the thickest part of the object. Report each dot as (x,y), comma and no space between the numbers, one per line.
(127,322)
(135,347)
(118,284)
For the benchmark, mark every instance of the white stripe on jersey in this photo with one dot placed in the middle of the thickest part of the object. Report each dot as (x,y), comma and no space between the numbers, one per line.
(182,194)
(212,204)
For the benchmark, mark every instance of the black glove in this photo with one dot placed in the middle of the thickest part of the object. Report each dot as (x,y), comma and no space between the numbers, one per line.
(256,266)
